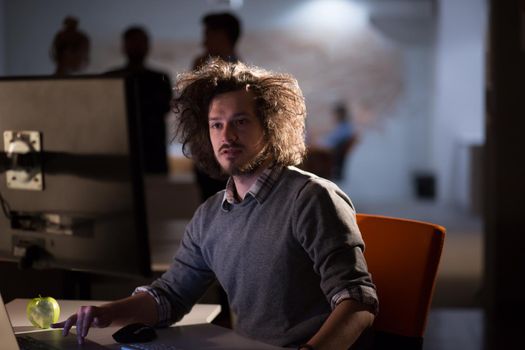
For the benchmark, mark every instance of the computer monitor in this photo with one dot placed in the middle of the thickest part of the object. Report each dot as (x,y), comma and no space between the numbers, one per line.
(71,181)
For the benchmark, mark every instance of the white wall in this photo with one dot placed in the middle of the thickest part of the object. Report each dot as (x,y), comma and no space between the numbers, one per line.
(459,106)
(411,134)
(382,168)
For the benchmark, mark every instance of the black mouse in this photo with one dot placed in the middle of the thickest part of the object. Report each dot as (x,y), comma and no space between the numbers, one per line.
(135,333)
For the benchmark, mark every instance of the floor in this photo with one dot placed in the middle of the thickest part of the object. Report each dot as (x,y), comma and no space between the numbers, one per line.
(456,317)
(454,328)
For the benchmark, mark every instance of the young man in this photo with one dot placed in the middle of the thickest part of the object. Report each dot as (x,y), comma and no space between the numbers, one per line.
(283,243)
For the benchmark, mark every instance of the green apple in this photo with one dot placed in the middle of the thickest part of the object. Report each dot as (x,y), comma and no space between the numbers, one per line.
(43,311)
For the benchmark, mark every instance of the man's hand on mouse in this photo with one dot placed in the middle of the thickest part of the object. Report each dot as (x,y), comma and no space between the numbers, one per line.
(86,317)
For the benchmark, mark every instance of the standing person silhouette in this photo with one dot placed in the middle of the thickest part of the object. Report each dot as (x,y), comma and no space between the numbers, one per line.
(221,34)
(70,49)
(70,53)
(154,95)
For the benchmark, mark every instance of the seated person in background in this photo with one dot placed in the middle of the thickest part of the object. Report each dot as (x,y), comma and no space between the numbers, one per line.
(340,140)
(70,49)
(282,242)
(154,96)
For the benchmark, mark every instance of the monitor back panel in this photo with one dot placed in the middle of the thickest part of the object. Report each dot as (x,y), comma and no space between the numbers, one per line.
(92,185)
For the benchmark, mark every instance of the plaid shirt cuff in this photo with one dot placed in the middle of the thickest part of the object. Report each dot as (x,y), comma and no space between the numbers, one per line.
(362,294)
(163,304)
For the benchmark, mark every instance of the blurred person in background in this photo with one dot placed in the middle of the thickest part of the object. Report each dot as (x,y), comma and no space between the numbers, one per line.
(221,34)
(340,141)
(154,96)
(70,49)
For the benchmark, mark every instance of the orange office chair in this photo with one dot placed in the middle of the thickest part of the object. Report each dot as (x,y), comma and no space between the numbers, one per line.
(403,258)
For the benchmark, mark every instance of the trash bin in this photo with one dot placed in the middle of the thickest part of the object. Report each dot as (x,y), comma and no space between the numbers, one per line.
(425,185)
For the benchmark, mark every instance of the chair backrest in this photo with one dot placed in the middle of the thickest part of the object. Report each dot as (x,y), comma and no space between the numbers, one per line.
(403,258)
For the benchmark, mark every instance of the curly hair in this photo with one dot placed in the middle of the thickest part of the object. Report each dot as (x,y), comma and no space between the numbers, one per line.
(279,105)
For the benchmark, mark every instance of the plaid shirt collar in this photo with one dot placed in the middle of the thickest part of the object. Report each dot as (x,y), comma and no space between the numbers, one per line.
(259,190)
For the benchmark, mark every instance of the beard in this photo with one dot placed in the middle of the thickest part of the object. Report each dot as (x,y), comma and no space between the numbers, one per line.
(249,167)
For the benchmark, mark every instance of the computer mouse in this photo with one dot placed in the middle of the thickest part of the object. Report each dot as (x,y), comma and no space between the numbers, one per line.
(135,333)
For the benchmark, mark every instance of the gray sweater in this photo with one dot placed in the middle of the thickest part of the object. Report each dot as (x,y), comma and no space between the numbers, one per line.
(284,259)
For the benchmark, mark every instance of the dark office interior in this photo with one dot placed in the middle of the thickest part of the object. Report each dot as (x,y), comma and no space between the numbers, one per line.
(434,88)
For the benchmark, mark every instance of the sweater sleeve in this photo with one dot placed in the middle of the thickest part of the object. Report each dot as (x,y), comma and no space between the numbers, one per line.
(326,228)
(186,280)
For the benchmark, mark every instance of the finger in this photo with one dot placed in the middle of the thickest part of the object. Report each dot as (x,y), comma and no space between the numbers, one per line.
(97,322)
(67,324)
(79,323)
(58,324)
(88,319)
(101,319)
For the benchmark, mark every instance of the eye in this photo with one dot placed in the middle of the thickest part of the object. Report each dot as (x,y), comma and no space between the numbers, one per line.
(241,122)
(215,125)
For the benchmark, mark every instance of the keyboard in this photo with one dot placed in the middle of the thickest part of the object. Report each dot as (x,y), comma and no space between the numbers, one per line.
(27,343)
(147,346)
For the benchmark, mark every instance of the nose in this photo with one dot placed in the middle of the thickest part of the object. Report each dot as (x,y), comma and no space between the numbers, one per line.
(228,133)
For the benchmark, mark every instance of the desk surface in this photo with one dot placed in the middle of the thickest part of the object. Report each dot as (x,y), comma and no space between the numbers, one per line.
(193,332)
(201,313)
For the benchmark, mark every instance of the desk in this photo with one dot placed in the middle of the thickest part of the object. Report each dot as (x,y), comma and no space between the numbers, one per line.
(193,332)
(201,313)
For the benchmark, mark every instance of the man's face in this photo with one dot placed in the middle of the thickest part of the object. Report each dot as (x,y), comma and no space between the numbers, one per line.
(136,47)
(236,133)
